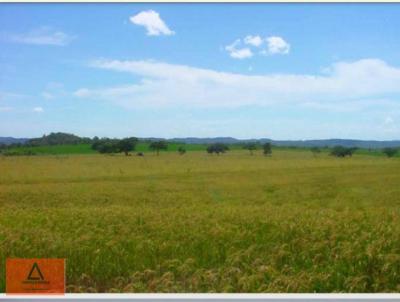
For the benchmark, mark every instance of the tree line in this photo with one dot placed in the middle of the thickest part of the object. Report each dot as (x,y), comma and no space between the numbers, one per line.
(126,145)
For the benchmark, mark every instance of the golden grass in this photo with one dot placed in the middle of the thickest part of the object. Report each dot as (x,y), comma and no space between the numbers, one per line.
(202,223)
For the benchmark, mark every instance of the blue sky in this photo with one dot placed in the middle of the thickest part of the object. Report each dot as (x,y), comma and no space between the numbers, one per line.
(283,71)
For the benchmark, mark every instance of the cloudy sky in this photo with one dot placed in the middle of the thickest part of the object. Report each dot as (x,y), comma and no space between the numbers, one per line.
(283,71)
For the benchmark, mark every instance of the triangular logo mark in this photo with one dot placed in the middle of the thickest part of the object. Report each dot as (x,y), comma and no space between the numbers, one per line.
(35,273)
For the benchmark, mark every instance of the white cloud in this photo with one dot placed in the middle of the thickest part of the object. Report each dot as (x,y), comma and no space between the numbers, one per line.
(277,45)
(42,36)
(241,53)
(238,53)
(163,84)
(151,20)
(38,109)
(253,40)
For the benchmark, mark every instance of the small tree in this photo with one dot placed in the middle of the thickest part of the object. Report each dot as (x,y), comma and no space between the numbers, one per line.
(267,147)
(181,150)
(127,144)
(251,147)
(390,152)
(158,145)
(315,150)
(217,148)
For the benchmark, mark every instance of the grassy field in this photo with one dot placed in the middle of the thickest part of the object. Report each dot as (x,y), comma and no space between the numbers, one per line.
(201,223)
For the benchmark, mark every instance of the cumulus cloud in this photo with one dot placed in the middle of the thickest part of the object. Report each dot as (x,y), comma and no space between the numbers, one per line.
(151,20)
(162,84)
(238,53)
(42,36)
(277,45)
(38,109)
(241,50)
(253,40)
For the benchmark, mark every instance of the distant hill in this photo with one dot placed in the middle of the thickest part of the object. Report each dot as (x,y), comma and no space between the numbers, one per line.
(12,140)
(60,138)
(367,144)
(208,140)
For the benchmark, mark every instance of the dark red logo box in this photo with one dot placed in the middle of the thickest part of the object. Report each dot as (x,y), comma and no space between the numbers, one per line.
(35,276)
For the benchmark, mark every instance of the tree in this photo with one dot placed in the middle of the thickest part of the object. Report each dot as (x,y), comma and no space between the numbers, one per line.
(390,152)
(158,145)
(106,145)
(315,150)
(267,147)
(127,144)
(96,144)
(217,148)
(181,150)
(340,151)
(251,147)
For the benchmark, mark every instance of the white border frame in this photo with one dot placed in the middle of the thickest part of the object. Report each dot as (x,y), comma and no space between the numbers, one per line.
(239,296)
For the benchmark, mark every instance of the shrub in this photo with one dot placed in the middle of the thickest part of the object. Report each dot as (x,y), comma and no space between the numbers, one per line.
(181,150)
(20,153)
(251,147)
